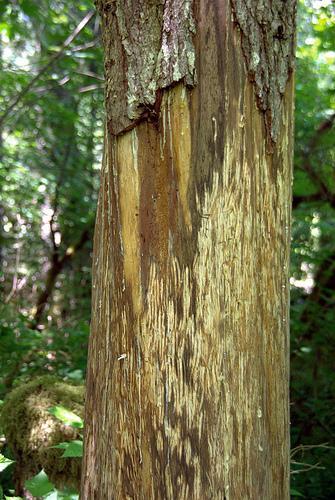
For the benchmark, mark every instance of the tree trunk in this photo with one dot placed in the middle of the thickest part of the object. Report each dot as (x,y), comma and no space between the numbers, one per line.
(57,265)
(187,389)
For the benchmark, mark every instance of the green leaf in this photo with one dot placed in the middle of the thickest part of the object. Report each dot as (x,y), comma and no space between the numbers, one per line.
(4,462)
(67,416)
(39,485)
(29,8)
(76,375)
(72,448)
(303,186)
(295,493)
(61,446)
(75,449)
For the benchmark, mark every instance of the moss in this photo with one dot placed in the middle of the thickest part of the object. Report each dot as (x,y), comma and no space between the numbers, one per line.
(31,430)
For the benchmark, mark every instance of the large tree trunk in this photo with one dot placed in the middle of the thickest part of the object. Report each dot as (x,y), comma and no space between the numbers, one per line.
(187,390)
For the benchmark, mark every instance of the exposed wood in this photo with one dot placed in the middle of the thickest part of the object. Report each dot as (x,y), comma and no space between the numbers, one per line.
(187,389)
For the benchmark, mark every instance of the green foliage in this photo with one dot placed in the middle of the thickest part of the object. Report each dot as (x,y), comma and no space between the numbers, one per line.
(295,493)
(5,462)
(35,418)
(39,485)
(313,255)
(54,133)
(26,352)
(71,449)
(66,416)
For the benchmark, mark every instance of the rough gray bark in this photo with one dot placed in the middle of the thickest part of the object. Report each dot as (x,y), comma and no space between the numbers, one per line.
(268,33)
(153,49)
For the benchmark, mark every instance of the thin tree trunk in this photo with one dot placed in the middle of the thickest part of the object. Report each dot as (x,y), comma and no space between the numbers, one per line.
(187,389)
(57,265)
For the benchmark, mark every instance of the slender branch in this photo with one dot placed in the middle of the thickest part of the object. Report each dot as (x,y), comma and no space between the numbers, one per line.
(307,467)
(91,74)
(15,277)
(85,46)
(88,88)
(322,128)
(56,197)
(54,58)
(306,447)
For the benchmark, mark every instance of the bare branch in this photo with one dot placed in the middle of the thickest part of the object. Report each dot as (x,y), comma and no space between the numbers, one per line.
(306,467)
(306,447)
(85,46)
(88,88)
(91,75)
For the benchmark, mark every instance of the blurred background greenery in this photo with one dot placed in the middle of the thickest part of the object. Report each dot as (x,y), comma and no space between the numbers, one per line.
(51,123)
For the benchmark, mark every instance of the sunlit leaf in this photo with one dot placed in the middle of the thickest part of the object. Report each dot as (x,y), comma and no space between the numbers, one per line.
(72,448)
(39,485)
(67,416)
(5,462)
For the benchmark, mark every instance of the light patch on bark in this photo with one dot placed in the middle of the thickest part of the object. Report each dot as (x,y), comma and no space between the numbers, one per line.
(179,119)
(130,206)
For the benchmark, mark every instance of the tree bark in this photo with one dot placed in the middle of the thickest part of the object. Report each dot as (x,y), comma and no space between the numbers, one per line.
(187,388)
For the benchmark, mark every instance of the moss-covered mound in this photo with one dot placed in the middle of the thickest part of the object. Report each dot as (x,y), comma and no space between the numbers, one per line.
(31,430)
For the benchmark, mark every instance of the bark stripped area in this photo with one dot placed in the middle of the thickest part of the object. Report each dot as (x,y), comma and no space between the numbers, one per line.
(187,390)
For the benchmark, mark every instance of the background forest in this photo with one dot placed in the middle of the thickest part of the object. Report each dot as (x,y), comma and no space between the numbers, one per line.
(51,124)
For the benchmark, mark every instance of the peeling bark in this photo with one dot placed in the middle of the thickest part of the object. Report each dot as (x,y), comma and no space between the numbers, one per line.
(187,389)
